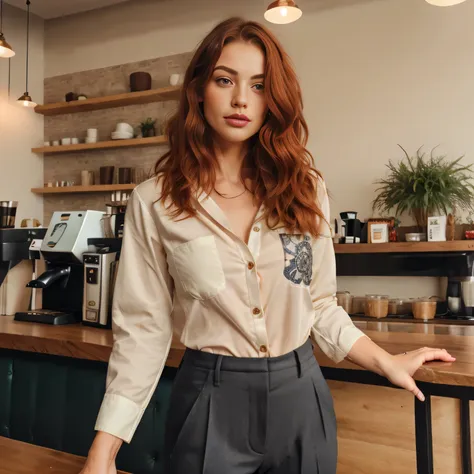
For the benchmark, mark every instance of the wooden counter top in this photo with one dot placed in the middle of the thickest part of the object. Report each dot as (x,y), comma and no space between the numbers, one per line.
(84,342)
(24,458)
(407,247)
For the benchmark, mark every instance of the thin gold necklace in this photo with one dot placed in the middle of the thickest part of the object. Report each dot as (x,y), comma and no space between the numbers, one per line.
(232,197)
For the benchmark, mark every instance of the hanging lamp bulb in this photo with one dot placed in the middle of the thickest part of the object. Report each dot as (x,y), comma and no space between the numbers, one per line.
(282,12)
(445,3)
(6,51)
(25,100)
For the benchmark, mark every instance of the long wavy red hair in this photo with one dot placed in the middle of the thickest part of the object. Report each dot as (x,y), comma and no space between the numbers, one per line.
(285,180)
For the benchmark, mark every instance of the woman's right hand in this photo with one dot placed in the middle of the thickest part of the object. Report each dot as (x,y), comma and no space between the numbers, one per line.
(101,458)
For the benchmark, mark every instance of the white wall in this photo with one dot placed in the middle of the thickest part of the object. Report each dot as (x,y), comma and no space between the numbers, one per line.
(374,74)
(21,128)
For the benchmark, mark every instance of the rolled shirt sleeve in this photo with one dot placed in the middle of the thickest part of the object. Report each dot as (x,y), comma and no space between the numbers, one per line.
(333,330)
(141,323)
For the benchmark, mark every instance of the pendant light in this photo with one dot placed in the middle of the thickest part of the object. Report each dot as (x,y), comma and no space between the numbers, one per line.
(25,100)
(282,12)
(444,3)
(6,51)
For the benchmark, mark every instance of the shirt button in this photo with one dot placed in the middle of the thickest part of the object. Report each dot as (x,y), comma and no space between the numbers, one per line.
(256,311)
(250,265)
(263,348)
(256,229)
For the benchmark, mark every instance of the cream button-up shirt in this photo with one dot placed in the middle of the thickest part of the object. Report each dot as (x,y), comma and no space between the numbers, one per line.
(196,279)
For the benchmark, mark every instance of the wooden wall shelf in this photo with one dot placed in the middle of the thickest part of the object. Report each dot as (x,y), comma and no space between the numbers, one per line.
(406,247)
(99,188)
(103,145)
(108,102)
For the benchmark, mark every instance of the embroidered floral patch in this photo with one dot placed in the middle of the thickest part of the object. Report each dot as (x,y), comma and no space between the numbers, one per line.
(298,258)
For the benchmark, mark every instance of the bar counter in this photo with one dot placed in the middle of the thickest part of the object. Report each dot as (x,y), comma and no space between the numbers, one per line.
(82,342)
(380,428)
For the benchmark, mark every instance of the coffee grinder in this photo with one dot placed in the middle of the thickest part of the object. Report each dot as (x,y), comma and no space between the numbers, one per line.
(351,229)
(100,273)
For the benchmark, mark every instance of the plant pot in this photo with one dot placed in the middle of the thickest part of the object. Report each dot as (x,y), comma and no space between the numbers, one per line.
(140,81)
(150,132)
(421,219)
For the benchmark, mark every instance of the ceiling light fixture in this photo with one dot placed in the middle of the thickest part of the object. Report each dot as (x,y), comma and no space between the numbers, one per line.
(445,3)
(6,51)
(282,12)
(25,100)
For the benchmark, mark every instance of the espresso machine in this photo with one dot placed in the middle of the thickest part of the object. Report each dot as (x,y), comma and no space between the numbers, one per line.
(100,273)
(64,243)
(15,247)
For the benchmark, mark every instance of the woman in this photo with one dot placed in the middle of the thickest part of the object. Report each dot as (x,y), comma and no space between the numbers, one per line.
(229,247)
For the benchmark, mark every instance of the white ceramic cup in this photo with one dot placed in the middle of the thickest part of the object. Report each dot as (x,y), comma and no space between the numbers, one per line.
(47,144)
(65,141)
(174,79)
(91,139)
(74,141)
(92,132)
(55,142)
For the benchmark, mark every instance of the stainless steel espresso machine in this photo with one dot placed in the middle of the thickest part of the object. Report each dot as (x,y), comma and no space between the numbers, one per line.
(63,246)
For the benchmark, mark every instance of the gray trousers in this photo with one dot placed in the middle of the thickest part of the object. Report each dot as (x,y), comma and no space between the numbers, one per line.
(238,415)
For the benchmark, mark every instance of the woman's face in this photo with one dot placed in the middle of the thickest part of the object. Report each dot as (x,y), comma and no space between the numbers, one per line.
(234,99)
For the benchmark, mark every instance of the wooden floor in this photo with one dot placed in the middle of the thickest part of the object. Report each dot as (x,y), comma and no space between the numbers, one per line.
(17,457)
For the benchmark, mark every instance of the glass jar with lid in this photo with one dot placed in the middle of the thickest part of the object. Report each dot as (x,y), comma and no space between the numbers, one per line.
(358,305)
(344,299)
(424,308)
(376,306)
(399,306)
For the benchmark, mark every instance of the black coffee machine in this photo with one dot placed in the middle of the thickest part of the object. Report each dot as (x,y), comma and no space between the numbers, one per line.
(63,281)
(351,229)
(460,296)
(15,247)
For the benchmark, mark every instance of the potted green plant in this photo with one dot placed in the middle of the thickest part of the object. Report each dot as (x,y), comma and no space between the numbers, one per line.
(148,127)
(423,187)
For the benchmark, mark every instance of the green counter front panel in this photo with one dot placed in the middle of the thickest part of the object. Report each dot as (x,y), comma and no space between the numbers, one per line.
(53,402)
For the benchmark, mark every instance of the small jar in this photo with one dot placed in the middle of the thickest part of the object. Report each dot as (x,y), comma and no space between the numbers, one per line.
(398,306)
(358,305)
(376,306)
(344,299)
(424,308)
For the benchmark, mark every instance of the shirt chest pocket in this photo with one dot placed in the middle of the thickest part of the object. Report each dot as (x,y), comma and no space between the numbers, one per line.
(298,258)
(199,267)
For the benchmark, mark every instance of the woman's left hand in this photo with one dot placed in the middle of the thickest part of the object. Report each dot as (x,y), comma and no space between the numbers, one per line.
(401,367)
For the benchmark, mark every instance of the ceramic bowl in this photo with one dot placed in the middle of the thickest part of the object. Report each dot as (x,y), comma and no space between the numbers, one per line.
(415,237)
(123,127)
